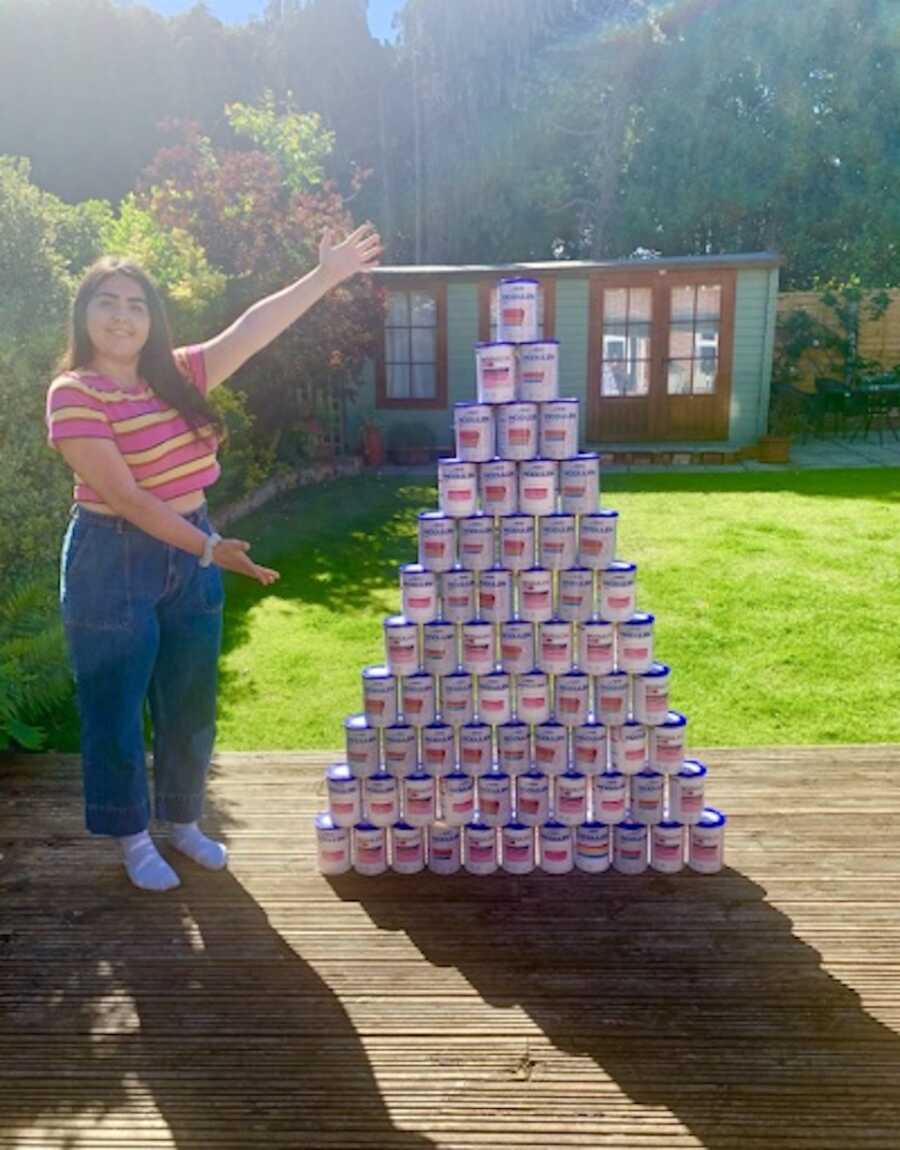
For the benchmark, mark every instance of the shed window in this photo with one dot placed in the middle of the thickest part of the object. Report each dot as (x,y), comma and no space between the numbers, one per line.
(694,327)
(627,315)
(410,345)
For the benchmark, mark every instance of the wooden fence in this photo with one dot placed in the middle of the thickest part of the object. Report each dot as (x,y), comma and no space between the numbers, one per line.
(878,340)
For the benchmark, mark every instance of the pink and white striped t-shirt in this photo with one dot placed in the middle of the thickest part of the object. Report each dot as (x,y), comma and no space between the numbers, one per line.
(164,454)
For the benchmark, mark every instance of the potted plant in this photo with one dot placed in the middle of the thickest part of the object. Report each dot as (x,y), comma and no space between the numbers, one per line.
(410,443)
(775,446)
(371,436)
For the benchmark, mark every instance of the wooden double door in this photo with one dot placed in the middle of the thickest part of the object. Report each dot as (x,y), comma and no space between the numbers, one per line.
(660,353)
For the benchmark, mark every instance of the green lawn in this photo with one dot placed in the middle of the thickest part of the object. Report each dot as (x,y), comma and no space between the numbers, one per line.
(777,598)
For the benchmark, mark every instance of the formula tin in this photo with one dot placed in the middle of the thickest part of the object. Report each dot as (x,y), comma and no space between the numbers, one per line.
(379,696)
(630,847)
(597,539)
(573,694)
(651,694)
(419,593)
(517,542)
(551,747)
(559,429)
(557,542)
(494,798)
(344,795)
(458,596)
(495,698)
(438,748)
(667,741)
(556,842)
(418,699)
(571,801)
(634,643)
(474,427)
(618,587)
(495,595)
(401,747)
(516,646)
(333,845)
(517,309)
(536,595)
(555,646)
(686,792)
(361,742)
(533,798)
(517,431)
(457,698)
(499,483)
(538,370)
(369,849)
(609,797)
(667,847)
(457,487)
(419,799)
(476,542)
(437,541)
(538,480)
(458,798)
(517,848)
(495,372)
(589,748)
(575,600)
(647,795)
(407,848)
(381,796)
(579,483)
(439,656)
(514,747)
(401,645)
(476,748)
(628,750)
(480,847)
(478,655)
(612,698)
(706,842)
(444,848)
(533,697)
(593,843)
(596,646)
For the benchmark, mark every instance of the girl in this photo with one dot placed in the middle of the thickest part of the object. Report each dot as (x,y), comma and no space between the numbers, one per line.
(141,588)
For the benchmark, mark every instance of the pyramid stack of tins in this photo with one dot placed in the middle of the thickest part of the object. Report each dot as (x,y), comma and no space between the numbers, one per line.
(520,719)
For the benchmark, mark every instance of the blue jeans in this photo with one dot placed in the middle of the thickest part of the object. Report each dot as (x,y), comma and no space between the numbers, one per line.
(143,621)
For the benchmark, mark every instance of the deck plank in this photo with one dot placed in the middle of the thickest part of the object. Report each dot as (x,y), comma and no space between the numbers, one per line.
(271,1008)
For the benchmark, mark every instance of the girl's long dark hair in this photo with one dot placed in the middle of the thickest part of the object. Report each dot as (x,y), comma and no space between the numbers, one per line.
(156,364)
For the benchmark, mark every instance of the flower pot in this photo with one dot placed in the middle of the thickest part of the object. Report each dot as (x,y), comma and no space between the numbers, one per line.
(774,449)
(372,446)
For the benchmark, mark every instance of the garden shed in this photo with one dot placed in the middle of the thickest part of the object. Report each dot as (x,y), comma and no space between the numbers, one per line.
(664,353)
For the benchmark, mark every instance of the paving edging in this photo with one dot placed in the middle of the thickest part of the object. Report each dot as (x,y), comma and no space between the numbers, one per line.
(303,477)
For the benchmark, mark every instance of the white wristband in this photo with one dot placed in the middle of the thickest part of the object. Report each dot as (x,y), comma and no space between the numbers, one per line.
(208,547)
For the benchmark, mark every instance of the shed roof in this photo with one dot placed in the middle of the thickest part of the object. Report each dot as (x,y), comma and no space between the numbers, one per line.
(566,268)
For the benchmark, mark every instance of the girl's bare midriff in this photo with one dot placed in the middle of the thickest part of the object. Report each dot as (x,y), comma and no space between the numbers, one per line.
(183,504)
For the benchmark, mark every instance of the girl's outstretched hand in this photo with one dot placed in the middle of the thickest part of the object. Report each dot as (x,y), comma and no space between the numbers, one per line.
(359,252)
(232,555)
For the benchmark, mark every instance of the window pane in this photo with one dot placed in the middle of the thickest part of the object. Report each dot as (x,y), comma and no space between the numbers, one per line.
(396,347)
(706,339)
(397,381)
(639,304)
(398,307)
(615,346)
(615,305)
(705,375)
(709,302)
(679,377)
(639,340)
(615,329)
(683,303)
(681,340)
(614,377)
(422,345)
(639,377)
(423,381)
(423,309)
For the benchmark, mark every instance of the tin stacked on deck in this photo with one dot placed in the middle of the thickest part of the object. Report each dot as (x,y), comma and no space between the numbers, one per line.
(519,719)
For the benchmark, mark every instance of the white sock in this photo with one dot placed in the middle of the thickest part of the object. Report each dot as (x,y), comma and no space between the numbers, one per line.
(191,841)
(146,867)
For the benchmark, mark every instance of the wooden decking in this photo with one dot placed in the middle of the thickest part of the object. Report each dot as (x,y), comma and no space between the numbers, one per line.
(269,1008)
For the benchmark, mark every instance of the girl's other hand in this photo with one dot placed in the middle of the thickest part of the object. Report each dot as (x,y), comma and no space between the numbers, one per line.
(359,252)
(233,555)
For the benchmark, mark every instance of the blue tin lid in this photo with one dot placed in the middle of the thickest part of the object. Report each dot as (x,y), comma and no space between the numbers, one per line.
(398,621)
(596,622)
(400,825)
(399,727)
(379,776)
(533,773)
(712,818)
(357,723)
(476,724)
(458,675)
(418,776)
(474,403)
(415,569)
(674,719)
(478,517)
(580,570)
(515,826)
(550,723)
(621,565)
(593,825)
(574,674)
(377,671)
(639,619)
(562,399)
(583,457)
(610,775)
(519,280)
(438,724)
(518,515)
(591,722)
(495,773)
(366,826)
(324,822)
(537,342)
(692,769)
(457,775)
(339,771)
(614,675)
(533,671)
(477,826)
(655,671)
(453,461)
(556,620)
(630,826)
(571,773)
(603,513)
(497,676)
(670,825)
(560,515)
(555,825)
(631,722)
(494,343)
(512,723)
(439,623)
(435,515)
(648,773)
